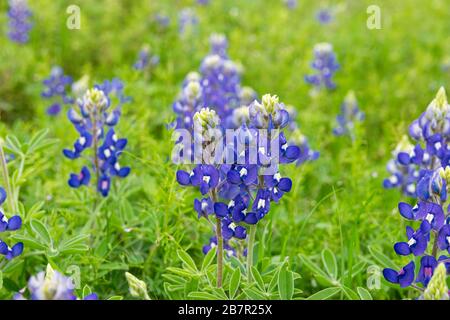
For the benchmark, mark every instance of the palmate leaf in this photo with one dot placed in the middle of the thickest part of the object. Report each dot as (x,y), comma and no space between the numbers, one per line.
(75,244)
(13,145)
(41,231)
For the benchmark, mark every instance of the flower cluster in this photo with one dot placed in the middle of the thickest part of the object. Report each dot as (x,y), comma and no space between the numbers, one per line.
(229,250)
(146,59)
(350,113)
(241,193)
(162,20)
(291,4)
(56,90)
(187,19)
(431,213)
(437,288)
(403,177)
(217,84)
(324,16)
(299,139)
(95,123)
(325,64)
(203,2)
(11,224)
(51,285)
(433,228)
(19,24)
(237,193)
(431,131)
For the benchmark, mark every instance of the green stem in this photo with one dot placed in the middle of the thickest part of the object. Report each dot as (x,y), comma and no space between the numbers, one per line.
(10,195)
(435,245)
(219,244)
(251,244)
(219,253)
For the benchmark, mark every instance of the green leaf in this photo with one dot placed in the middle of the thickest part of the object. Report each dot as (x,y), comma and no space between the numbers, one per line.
(180,272)
(357,268)
(187,260)
(350,293)
(115,298)
(13,145)
(220,293)
(382,259)
(364,294)
(286,284)
(259,280)
(74,245)
(254,294)
(315,269)
(29,242)
(209,258)
(234,282)
(324,294)
(41,231)
(274,281)
(330,263)
(201,296)
(86,291)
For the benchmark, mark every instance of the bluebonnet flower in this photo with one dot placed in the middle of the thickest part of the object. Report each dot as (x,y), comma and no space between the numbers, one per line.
(431,131)
(404,177)
(299,139)
(51,285)
(203,2)
(230,251)
(146,59)
(237,190)
(95,123)
(162,20)
(56,86)
(19,23)
(291,4)
(324,16)
(429,160)
(429,212)
(350,113)
(325,64)
(187,19)
(9,224)
(404,277)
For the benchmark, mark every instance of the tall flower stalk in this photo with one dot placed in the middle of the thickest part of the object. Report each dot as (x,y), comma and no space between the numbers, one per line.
(14,222)
(95,121)
(237,186)
(430,158)
(431,134)
(19,24)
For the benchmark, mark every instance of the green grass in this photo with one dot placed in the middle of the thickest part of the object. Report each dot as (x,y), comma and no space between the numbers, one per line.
(337,201)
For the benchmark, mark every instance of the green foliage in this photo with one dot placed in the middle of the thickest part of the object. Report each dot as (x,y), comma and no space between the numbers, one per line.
(315,244)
